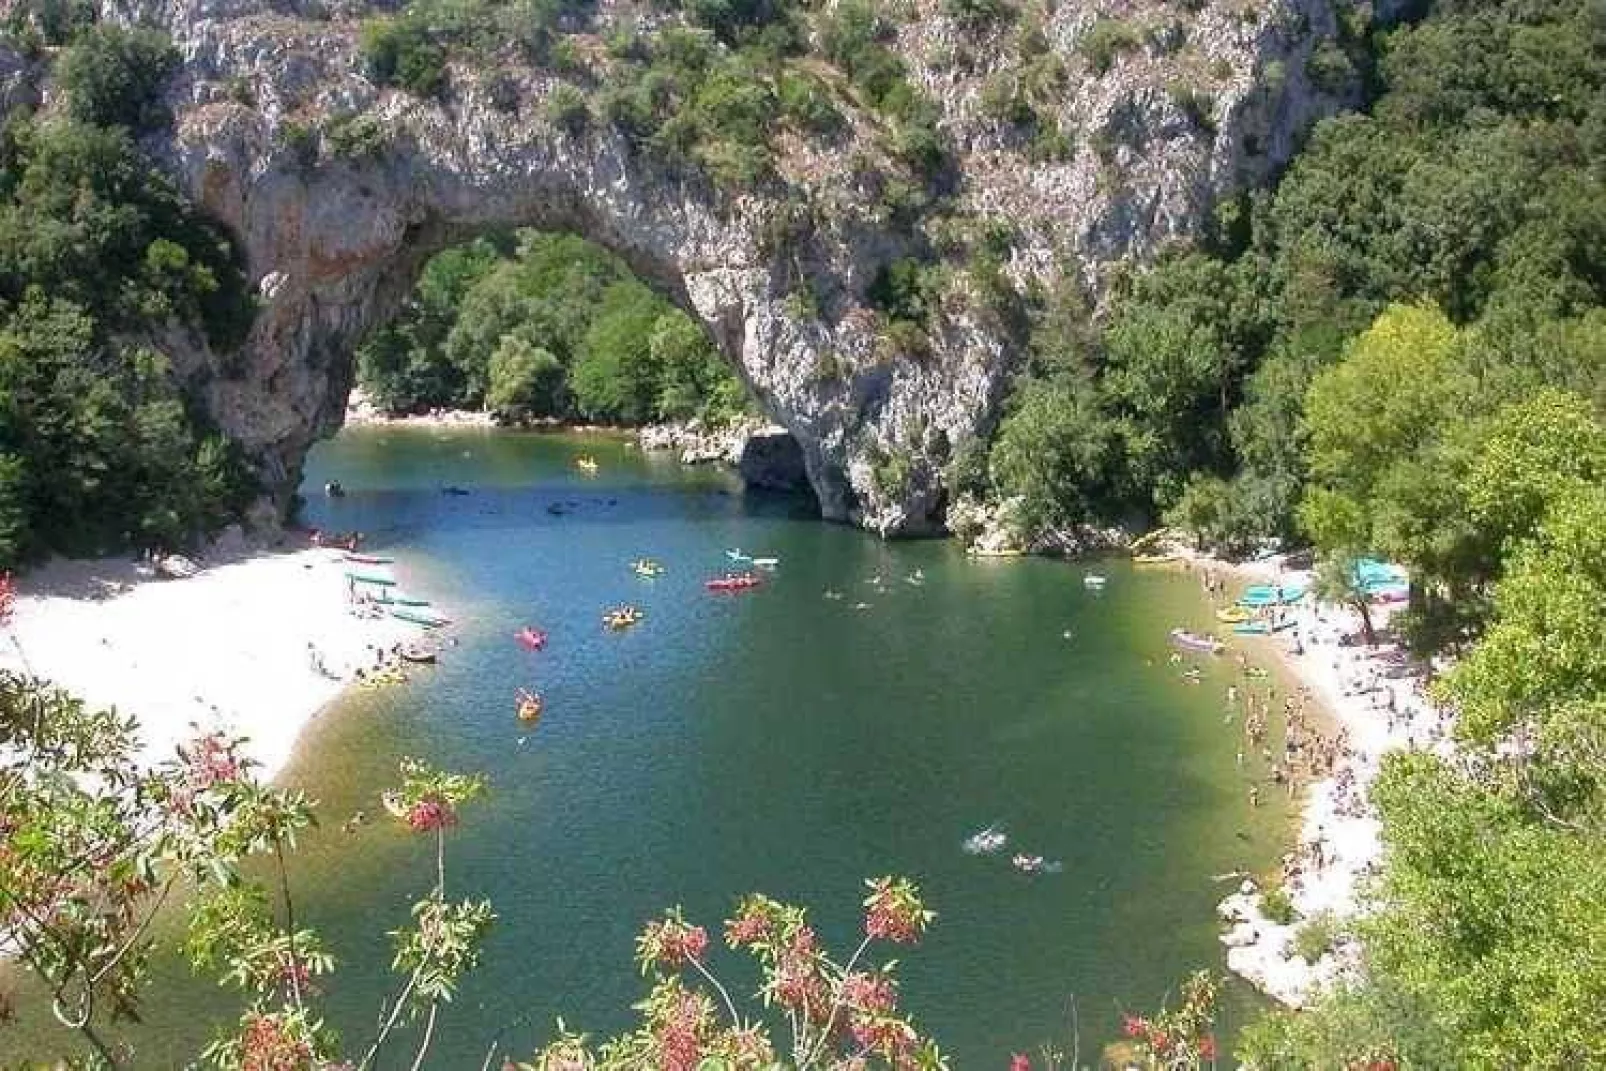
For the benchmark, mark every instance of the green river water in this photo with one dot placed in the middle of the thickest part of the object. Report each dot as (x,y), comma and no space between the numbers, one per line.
(775,741)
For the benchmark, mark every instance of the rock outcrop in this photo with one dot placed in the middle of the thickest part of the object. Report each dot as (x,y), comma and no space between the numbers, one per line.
(334,238)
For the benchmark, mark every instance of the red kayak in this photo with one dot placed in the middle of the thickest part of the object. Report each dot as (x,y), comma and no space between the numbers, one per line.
(533,638)
(734,582)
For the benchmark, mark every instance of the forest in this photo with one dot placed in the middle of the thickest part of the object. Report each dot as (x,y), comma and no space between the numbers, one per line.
(100,258)
(539,326)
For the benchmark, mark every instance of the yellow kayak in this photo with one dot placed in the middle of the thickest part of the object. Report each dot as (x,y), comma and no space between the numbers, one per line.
(1232,615)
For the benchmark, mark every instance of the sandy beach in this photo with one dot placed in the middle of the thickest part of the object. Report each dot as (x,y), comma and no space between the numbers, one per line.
(1374,700)
(225,649)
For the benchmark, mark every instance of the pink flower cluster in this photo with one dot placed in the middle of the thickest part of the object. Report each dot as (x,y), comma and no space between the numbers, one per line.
(797,985)
(892,1039)
(209,760)
(873,993)
(680,1036)
(266,1045)
(893,911)
(672,943)
(752,925)
(1162,1042)
(431,814)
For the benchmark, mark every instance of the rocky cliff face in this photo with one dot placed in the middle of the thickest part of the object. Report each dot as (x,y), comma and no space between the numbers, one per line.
(334,240)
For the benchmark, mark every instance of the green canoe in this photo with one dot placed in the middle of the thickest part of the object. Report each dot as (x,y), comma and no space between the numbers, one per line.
(369,578)
(388,599)
(418,617)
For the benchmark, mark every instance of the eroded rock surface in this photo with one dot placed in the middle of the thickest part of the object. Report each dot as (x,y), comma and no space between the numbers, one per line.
(334,241)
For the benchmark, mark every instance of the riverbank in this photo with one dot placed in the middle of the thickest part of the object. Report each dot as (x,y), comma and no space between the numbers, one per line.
(1374,699)
(232,648)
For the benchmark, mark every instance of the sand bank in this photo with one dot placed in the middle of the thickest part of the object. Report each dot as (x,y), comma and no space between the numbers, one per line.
(225,649)
(361,411)
(1374,698)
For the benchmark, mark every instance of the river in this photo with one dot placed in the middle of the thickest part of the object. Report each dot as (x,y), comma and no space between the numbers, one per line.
(777,741)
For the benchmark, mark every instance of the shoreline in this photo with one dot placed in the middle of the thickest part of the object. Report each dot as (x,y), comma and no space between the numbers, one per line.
(229,649)
(1370,701)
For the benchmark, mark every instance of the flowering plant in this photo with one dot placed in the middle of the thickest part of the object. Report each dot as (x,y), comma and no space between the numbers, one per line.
(839,1016)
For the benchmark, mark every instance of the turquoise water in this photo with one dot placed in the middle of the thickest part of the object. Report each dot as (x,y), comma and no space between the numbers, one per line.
(775,741)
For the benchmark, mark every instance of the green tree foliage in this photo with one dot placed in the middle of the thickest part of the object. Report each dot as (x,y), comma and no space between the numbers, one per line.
(1483,948)
(113,76)
(545,326)
(1473,187)
(97,253)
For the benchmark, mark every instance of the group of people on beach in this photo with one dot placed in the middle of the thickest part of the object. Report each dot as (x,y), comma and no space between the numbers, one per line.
(1306,754)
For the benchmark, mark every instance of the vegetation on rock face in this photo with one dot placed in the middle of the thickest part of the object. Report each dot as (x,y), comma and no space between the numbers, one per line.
(101,263)
(1472,188)
(545,326)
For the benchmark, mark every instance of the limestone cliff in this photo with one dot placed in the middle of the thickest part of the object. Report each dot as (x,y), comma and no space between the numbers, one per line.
(1201,98)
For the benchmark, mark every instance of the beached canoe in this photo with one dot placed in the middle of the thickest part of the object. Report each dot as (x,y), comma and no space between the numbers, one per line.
(1192,641)
(369,559)
(393,599)
(370,578)
(419,617)
(1155,559)
(1233,615)
(1272,594)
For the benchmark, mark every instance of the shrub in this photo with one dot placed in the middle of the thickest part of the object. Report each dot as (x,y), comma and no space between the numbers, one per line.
(1329,69)
(404,52)
(1105,41)
(113,76)
(1003,101)
(1276,906)
(806,101)
(977,14)
(356,138)
(1315,938)
(567,110)
(828,367)
(891,471)
(1196,104)
(502,90)
(904,339)
(301,141)
(1050,144)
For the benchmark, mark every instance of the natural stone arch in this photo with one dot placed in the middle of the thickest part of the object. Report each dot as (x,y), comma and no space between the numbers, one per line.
(334,244)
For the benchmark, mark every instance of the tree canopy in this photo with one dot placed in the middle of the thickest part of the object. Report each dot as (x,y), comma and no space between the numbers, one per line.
(539,325)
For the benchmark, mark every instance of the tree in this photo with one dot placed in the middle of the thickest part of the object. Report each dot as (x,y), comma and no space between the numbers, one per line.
(1338,581)
(1054,449)
(525,380)
(614,375)
(113,76)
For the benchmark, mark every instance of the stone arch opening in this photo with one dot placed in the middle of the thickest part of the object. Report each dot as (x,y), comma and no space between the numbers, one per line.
(334,240)
(626,350)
